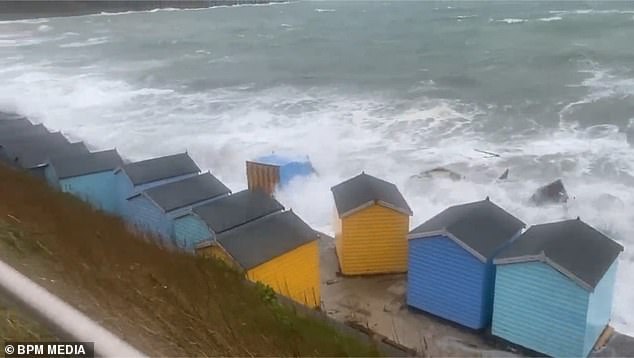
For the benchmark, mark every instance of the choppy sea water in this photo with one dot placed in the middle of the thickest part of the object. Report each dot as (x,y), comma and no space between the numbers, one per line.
(392,88)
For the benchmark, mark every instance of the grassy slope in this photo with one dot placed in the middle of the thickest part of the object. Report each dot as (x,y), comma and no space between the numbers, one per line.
(164,303)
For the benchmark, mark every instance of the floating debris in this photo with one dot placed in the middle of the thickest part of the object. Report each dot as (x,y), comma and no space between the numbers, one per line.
(553,193)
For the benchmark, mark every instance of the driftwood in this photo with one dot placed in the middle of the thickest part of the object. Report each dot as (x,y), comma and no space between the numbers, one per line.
(491,154)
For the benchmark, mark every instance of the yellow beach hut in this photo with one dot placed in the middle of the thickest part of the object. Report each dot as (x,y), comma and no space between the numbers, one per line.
(279,250)
(371,226)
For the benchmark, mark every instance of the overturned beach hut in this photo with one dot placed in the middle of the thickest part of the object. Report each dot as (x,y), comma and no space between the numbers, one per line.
(450,268)
(279,250)
(133,178)
(206,221)
(153,209)
(554,288)
(371,226)
(269,172)
(89,176)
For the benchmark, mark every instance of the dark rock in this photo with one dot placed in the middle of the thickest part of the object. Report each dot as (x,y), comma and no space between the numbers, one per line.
(440,172)
(553,193)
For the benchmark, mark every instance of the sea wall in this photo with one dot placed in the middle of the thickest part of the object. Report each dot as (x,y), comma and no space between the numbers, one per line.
(24,9)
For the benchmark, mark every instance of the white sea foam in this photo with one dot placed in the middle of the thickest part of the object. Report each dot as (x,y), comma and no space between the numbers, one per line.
(551,18)
(93,41)
(509,20)
(344,133)
(169,9)
(462,17)
(325,10)
(25,21)
(513,21)
(591,12)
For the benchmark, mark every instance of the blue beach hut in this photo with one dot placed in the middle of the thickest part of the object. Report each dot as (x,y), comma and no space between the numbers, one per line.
(133,178)
(268,172)
(153,209)
(89,176)
(554,288)
(450,265)
(206,221)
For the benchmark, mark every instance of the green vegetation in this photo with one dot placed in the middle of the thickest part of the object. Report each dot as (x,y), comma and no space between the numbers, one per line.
(164,303)
(16,327)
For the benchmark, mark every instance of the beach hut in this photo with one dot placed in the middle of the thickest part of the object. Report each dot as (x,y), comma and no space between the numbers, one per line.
(450,268)
(33,152)
(206,221)
(21,134)
(89,176)
(279,250)
(16,123)
(133,178)
(554,288)
(9,116)
(153,209)
(269,172)
(371,226)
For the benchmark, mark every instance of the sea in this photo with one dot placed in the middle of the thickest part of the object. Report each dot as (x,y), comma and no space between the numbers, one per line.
(392,88)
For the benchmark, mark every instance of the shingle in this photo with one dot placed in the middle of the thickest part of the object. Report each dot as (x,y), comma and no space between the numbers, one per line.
(364,189)
(482,226)
(187,192)
(67,166)
(265,239)
(584,253)
(237,209)
(154,169)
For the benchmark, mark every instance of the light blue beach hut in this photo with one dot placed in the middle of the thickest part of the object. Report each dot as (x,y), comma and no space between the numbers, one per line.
(89,176)
(154,209)
(206,221)
(554,288)
(450,265)
(133,178)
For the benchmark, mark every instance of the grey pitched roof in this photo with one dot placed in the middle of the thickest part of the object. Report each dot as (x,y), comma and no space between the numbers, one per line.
(260,241)
(33,150)
(67,166)
(22,133)
(365,189)
(154,169)
(19,142)
(13,124)
(226,213)
(38,155)
(186,192)
(480,227)
(4,116)
(572,247)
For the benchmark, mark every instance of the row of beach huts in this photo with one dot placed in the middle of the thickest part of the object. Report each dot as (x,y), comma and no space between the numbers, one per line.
(548,288)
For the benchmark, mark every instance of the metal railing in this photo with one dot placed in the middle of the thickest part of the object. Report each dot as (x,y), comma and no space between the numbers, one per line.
(60,317)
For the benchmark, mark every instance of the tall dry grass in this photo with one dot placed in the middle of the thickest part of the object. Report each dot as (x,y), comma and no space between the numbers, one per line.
(164,303)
